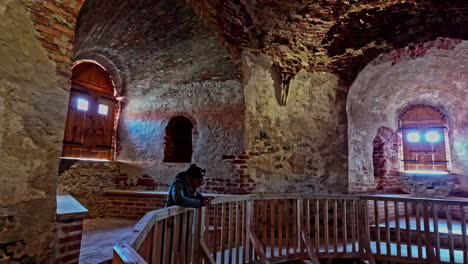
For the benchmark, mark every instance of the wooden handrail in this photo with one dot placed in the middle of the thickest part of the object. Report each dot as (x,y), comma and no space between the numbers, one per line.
(125,254)
(267,227)
(413,199)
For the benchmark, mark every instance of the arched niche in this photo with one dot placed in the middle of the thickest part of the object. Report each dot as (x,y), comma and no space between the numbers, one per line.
(391,83)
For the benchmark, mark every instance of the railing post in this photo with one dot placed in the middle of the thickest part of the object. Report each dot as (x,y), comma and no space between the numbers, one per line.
(427,234)
(196,227)
(248,228)
(364,238)
(300,219)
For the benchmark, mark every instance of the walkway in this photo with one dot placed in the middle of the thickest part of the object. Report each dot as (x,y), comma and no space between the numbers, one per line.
(99,237)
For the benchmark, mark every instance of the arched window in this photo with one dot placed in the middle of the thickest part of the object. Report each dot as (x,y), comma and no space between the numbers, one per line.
(178,140)
(89,130)
(424,140)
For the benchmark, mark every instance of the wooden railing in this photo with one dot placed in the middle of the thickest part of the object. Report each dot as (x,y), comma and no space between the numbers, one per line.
(416,230)
(278,228)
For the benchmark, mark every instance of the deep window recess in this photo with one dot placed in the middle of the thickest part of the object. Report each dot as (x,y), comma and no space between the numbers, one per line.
(178,140)
(90,123)
(423,134)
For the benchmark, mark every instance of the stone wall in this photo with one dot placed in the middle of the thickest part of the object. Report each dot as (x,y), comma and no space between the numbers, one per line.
(301,147)
(33,103)
(86,181)
(424,73)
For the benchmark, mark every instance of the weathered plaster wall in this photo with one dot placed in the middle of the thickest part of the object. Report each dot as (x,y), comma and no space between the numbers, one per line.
(217,111)
(172,64)
(434,73)
(32,114)
(302,146)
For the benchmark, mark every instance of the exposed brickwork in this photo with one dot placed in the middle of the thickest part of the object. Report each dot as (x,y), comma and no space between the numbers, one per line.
(239,183)
(335,36)
(385,159)
(69,234)
(55,23)
(133,207)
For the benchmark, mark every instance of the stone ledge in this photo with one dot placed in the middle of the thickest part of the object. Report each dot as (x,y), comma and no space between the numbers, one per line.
(69,208)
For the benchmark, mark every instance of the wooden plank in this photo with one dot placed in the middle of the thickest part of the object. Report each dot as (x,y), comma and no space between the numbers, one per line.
(272,227)
(293,235)
(215,231)
(344,226)
(238,232)
(255,224)
(317,223)
(387,228)
(206,252)
(175,239)
(377,227)
(325,225)
(362,213)
(196,247)
(414,199)
(125,254)
(311,250)
(264,225)
(397,227)
(418,229)
(258,248)
(223,231)
(353,225)
(427,234)
(190,240)
(435,218)
(157,243)
(183,238)
(230,230)
(464,235)
(335,225)
(287,232)
(300,216)
(448,215)
(408,229)
(248,221)
(244,231)
(280,227)
(167,223)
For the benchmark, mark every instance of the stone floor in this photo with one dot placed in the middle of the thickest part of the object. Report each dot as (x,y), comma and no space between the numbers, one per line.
(99,237)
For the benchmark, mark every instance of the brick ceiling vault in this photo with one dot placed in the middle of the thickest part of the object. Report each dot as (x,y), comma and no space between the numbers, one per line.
(330,35)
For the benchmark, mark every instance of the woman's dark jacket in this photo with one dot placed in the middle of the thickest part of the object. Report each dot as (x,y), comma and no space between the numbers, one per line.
(181,193)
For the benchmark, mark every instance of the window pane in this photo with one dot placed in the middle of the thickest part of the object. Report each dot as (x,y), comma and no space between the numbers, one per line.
(82,104)
(103,109)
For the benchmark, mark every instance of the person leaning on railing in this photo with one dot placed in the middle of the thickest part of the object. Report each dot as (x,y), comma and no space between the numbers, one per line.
(183,188)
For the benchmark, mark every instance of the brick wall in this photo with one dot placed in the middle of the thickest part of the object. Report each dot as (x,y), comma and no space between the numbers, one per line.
(69,234)
(385,159)
(133,204)
(239,183)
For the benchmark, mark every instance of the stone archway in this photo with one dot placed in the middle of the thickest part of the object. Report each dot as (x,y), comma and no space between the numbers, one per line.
(396,80)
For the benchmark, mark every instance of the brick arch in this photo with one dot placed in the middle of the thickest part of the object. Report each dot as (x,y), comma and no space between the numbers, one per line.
(177,150)
(116,69)
(443,115)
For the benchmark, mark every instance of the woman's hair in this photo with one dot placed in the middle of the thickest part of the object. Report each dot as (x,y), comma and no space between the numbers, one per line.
(195,171)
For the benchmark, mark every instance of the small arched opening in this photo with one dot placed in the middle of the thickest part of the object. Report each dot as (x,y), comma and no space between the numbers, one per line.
(178,140)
